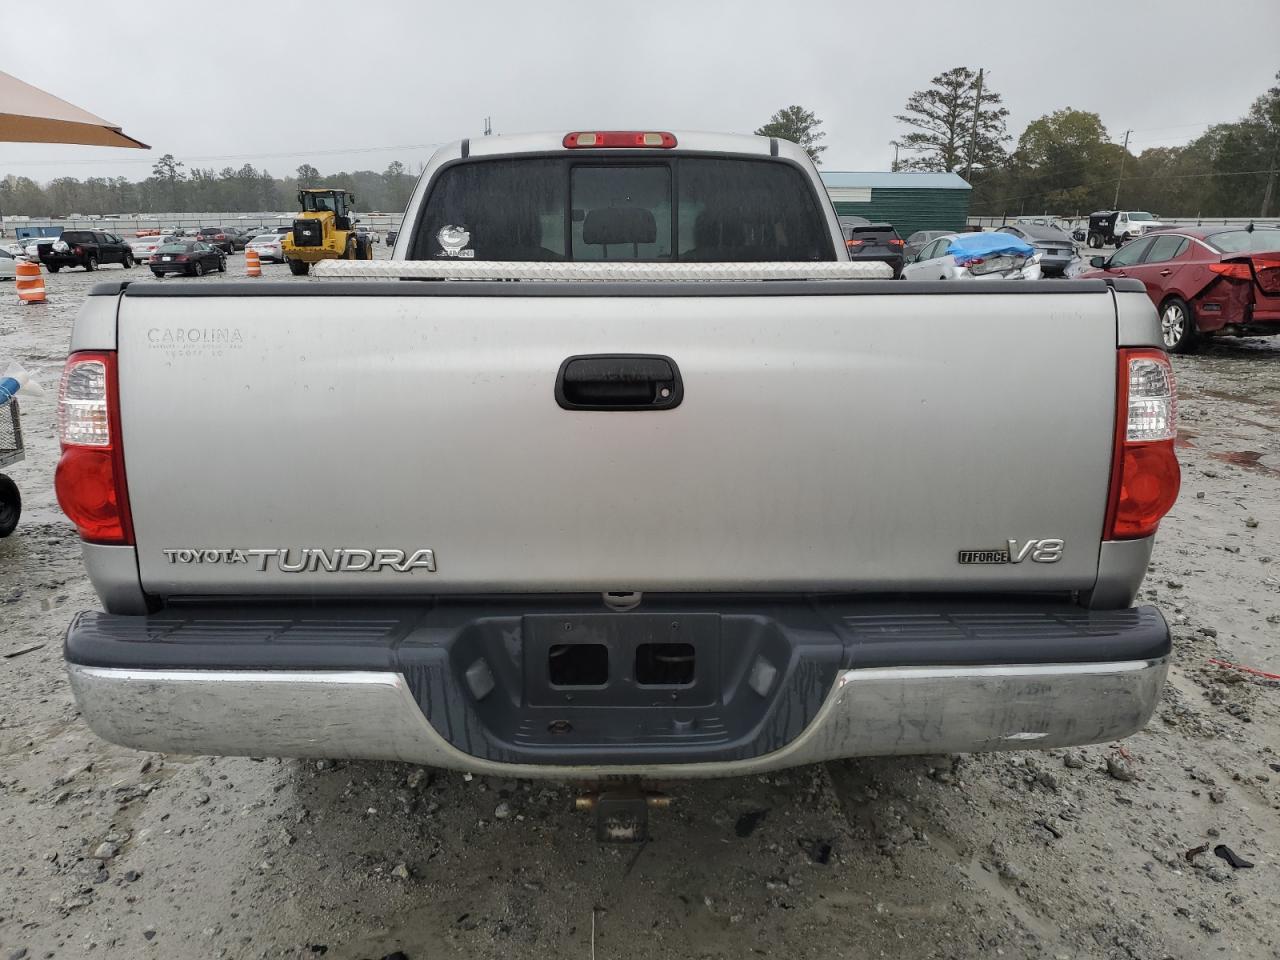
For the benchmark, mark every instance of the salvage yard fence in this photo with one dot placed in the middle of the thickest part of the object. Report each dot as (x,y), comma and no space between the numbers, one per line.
(1075,221)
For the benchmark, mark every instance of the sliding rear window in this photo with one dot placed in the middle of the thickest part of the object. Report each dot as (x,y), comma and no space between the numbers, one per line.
(588,208)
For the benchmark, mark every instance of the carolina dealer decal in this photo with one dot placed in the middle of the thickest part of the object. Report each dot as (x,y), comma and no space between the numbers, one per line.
(312,559)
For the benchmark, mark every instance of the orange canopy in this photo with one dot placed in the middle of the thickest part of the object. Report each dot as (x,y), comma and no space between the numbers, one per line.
(29,115)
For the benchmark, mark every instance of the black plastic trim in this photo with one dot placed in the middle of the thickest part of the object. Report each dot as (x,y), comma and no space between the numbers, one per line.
(1122,284)
(803,641)
(773,146)
(582,288)
(109,288)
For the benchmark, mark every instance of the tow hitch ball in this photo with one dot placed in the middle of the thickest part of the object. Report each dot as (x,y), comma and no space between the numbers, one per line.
(622,813)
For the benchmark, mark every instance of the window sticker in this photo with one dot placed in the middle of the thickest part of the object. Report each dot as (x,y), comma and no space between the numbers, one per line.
(453,242)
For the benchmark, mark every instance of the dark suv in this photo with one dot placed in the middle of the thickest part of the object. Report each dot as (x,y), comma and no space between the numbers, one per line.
(84,248)
(875,241)
(225,239)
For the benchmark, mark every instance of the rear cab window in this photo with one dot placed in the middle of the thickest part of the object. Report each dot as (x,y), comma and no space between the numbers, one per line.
(684,208)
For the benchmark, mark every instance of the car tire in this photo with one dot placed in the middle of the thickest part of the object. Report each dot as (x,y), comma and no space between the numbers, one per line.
(1178,326)
(127,262)
(157,274)
(198,269)
(91,264)
(222,264)
(54,268)
(10,505)
(298,268)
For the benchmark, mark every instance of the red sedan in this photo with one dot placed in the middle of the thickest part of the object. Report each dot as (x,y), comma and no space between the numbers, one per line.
(1204,280)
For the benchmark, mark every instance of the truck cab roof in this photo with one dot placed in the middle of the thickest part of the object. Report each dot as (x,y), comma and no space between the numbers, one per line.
(686,141)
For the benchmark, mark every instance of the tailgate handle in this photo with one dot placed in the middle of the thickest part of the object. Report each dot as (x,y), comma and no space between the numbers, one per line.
(620,381)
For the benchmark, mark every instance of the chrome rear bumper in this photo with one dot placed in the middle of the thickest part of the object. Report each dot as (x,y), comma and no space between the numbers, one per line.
(373,715)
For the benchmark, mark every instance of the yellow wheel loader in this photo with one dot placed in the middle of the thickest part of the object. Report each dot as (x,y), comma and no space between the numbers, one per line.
(324,230)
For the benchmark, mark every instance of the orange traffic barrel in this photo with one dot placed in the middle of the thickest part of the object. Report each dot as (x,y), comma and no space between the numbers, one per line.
(252,263)
(30,282)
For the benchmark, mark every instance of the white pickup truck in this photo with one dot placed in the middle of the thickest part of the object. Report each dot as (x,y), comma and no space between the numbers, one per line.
(617,470)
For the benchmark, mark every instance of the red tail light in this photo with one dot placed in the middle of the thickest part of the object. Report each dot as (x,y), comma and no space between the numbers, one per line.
(180,258)
(1233,271)
(897,243)
(1267,270)
(90,480)
(1145,477)
(854,243)
(619,138)
(77,251)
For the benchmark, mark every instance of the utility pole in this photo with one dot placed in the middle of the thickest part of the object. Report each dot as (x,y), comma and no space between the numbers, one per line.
(488,127)
(1271,180)
(895,145)
(973,133)
(1124,156)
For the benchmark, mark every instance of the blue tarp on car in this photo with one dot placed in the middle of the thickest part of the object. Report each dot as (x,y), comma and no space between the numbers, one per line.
(971,246)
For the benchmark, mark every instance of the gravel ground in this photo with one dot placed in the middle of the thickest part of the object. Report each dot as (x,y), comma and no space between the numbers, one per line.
(1059,854)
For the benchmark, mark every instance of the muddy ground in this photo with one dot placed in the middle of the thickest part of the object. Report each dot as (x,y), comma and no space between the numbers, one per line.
(107,852)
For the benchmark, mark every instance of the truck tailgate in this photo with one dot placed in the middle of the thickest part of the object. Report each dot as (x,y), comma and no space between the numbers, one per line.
(833,440)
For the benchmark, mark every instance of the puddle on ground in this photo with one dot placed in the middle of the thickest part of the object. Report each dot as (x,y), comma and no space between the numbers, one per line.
(1246,458)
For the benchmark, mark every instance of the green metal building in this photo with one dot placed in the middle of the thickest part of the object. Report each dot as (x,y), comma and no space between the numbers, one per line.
(909,201)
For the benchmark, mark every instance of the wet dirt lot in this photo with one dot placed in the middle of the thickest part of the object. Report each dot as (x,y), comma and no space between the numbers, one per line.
(1064,854)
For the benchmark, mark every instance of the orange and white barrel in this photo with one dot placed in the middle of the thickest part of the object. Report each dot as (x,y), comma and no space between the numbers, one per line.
(252,263)
(30,282)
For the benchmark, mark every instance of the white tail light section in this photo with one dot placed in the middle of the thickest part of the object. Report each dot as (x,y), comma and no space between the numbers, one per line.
(1153,400)
(90,480)
(1145,477)
(82,404)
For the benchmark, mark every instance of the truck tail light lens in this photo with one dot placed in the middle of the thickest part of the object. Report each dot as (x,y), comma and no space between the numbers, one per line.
(1145,477)
(90,480)
(635,139)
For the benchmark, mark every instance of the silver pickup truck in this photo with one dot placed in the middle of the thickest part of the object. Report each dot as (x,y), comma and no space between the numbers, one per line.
(618,469)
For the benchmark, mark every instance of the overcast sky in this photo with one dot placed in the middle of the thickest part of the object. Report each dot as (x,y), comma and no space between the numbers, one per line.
(356,85)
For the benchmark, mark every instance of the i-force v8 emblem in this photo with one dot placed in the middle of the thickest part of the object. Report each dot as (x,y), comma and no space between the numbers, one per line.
(1048,550)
